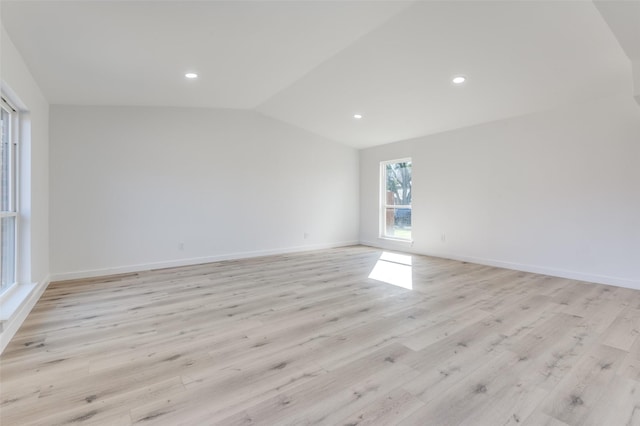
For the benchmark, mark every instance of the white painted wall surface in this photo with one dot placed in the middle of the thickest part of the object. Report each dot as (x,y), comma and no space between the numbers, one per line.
(636,80)
(130,184)
(555,192)
(33,268)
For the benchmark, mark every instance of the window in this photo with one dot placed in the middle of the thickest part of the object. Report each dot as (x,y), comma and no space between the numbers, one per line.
(395,212)
(8,202)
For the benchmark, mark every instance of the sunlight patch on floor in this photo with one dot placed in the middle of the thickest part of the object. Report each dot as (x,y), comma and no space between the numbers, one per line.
(394,269)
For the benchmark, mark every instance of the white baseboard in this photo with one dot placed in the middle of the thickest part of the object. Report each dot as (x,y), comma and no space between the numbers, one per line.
(536,269)
(16,306)
(62,276)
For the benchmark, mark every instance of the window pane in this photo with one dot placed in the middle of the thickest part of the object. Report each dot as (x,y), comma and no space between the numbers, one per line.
(397,200)
(5,166)
(398,183)
(398,223)
(8,251)
(7,224)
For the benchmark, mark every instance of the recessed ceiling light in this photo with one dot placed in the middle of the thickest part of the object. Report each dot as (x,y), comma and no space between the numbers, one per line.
(459,79)
(191,75)
(357,116)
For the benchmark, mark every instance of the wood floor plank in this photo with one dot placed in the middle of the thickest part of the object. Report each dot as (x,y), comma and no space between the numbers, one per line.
(468,397)
(538,418)
(388,409)
(309,338)
(575,397)
(345,390)
(624,330)
(618,405)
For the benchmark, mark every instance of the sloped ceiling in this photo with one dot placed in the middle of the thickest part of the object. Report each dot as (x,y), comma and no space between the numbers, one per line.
(519,57)
(314,64)
(137,52)
(623,17)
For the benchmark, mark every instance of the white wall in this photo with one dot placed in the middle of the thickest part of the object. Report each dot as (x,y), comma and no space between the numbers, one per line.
(636,80)
(555,192)
(33,270)
(129,184)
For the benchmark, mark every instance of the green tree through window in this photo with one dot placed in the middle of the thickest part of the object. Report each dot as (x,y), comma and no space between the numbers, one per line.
(396,199)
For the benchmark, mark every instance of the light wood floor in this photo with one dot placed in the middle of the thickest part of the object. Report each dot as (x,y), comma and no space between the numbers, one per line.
(310,339)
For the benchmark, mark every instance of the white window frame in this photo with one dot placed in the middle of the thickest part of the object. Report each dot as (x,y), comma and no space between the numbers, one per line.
(383,201)
(12,211)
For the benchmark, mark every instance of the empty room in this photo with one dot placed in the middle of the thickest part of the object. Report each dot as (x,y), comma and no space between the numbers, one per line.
(320,212)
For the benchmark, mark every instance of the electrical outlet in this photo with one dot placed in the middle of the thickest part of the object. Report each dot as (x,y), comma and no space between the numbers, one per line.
(180,245)
(443,237)
(306,235)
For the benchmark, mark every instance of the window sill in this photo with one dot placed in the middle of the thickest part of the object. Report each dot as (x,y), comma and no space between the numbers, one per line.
(13,298)
(396,240)
(15,304)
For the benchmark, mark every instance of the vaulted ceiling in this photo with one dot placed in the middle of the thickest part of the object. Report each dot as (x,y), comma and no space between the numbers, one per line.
(315,64)
(623,18)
